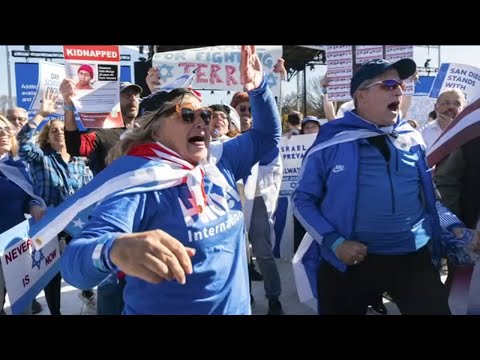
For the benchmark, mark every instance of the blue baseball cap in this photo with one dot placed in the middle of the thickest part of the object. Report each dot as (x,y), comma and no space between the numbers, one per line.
(373,68)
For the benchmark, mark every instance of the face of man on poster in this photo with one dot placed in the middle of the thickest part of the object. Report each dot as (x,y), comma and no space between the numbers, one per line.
(85,77)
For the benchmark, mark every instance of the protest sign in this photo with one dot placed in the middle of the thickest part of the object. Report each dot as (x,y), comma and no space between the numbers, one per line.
(95,71)
(216,67)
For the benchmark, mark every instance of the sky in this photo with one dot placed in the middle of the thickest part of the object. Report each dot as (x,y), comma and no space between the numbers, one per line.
(469,55)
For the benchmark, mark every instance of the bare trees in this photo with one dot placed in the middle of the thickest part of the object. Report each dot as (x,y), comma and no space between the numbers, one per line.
(294,101)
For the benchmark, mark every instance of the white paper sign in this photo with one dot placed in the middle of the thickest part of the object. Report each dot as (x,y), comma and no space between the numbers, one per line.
(216,67)
(457,76)
(95,70)
(50,75)
(26,270)
(292,152)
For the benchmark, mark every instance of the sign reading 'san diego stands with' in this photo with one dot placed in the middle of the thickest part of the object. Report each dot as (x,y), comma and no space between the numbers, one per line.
(458,76)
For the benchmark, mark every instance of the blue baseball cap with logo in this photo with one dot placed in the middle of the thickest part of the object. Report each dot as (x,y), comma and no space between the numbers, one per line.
(374,68)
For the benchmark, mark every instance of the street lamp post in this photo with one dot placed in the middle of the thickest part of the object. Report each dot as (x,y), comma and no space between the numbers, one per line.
(9,78)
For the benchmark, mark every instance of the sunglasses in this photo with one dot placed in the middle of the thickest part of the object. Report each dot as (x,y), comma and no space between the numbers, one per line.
(188,113)
(389,85)
(7,130)
(244,108)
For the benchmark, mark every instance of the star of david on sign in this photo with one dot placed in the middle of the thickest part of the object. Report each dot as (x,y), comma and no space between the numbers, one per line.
(165,72)
(38,262)
(271,79)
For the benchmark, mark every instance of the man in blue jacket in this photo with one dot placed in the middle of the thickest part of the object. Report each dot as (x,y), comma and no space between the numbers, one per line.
(366,197)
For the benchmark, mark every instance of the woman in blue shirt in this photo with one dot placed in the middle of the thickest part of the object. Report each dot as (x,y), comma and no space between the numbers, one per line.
(56,174)
(16,190)
(179,240)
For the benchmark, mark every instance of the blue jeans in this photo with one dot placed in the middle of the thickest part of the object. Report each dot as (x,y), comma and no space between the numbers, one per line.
(110,296)
(259,236)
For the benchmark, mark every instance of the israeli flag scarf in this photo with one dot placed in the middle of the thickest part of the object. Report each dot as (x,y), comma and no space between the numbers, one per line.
(349,128)
(148,167)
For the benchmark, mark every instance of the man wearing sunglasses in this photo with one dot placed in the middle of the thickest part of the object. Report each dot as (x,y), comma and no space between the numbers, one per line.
(366,198)
(241,104)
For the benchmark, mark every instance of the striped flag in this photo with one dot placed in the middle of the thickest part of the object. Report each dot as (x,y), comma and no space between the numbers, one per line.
(26,270)
(306,263)
(29,252)
(465,127)
(183,81)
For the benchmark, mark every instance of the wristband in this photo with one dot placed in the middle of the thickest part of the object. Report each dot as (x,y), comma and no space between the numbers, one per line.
(32,124)
(68,107)
(100,254)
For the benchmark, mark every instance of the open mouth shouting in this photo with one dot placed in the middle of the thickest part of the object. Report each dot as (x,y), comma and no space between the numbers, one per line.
(394,107)
(198,141)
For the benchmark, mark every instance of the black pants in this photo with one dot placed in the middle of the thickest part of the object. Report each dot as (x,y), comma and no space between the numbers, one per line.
(52,294)
(298,233)
(451,270)
(411,279)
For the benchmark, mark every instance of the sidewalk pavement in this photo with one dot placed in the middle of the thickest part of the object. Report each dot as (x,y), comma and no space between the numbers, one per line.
(73,305)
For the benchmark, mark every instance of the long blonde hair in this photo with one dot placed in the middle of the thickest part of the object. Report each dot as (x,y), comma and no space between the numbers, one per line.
(148,125)
(132,137)
(13,139)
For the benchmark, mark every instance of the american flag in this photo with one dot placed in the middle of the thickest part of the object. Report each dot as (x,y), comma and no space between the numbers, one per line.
(465,127)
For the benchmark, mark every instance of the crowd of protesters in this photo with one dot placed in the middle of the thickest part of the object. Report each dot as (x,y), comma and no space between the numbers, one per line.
(185,239)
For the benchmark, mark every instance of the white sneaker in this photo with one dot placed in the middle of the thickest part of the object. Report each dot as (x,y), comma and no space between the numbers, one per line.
(91,302)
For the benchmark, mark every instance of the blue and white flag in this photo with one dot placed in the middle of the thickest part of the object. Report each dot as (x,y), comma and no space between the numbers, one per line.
(26,270)
(352,127)
(306,263)
(129,173)
(181,82)
(30,252)
(158,169)
(79,222)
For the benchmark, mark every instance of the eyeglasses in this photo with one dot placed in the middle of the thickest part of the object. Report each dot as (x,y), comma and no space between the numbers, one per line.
(7,130)
(243,108)
(388,85)
(15,118)
(55,130)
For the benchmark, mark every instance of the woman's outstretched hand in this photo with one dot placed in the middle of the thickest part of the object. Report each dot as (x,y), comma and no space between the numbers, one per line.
(251,73)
